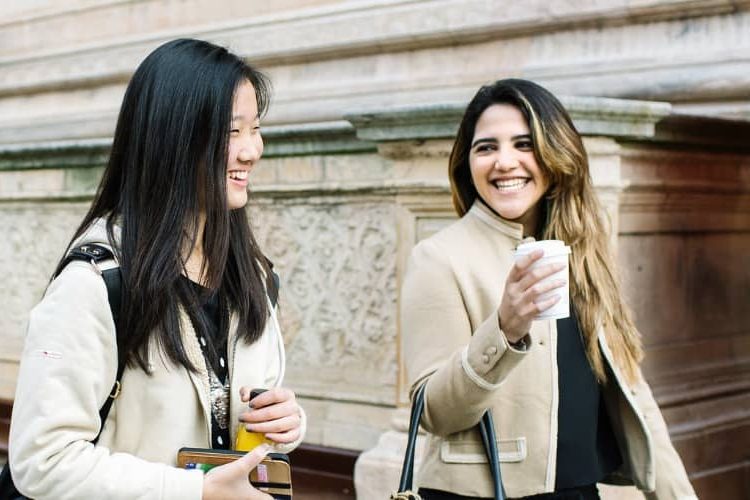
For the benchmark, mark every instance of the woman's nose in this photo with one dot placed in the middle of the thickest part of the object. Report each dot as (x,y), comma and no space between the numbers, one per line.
(250,151)
(505,160)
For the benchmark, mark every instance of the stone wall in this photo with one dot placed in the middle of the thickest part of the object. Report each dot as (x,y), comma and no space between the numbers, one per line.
(65,65)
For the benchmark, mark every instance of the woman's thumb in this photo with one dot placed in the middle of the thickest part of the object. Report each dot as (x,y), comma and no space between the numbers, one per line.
(253,458)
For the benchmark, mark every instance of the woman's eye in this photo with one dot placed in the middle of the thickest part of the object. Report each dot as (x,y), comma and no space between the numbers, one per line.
(483,148)
(525,145)
(234,131)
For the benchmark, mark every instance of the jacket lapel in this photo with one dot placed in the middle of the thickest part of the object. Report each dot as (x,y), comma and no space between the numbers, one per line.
(195,355)
(235,405)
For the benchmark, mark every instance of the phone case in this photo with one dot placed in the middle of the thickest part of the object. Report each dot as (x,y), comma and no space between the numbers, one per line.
(273,475)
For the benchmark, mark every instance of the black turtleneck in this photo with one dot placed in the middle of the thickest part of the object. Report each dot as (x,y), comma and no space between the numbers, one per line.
(586,447)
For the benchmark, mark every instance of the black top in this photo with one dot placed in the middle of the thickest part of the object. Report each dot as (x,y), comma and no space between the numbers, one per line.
(214,347)
(586,447)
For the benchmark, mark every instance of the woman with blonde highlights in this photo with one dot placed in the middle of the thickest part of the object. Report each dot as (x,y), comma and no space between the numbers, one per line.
(570,405)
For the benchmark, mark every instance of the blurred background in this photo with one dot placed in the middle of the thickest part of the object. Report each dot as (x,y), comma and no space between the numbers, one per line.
(367,97)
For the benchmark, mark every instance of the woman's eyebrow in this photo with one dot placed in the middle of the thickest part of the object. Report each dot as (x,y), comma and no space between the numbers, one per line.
(241,117)
(483,140)
(522,136)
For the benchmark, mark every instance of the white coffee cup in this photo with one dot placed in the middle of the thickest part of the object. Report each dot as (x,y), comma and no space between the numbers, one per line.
(554,251)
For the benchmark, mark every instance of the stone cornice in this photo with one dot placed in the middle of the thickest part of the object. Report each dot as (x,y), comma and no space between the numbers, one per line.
(593,116)
(344,30)
(693,130)
(58,9)
(58,154)
(289,140)
(313,138)
(623,120)
(401,123)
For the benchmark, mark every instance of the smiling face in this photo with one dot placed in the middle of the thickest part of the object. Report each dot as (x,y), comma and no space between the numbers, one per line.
(504,170)
(245,144)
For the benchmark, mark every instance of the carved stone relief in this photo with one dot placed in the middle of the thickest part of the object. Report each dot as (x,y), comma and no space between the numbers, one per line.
(337,264)
(33,239)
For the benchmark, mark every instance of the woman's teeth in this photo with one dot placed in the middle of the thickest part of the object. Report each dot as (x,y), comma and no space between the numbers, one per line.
(238,175)
(511,185)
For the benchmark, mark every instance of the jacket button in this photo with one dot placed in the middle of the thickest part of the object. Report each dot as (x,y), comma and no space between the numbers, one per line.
(492,350)
(541,342)
(486,359)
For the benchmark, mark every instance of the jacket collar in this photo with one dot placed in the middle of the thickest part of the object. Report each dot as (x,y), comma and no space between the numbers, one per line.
(485,214)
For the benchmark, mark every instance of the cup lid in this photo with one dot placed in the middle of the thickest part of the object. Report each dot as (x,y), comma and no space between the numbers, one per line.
(550,247)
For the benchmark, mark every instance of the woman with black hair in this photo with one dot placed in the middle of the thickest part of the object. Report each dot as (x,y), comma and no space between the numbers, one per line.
(196,328)
(570,405)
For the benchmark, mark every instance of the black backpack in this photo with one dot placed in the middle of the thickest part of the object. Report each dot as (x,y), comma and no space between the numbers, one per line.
(113,280)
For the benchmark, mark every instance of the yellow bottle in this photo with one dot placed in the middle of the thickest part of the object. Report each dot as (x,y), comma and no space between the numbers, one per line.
(247,440)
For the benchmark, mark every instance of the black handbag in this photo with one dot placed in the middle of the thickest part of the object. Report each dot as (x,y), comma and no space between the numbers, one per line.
(113,280)
(486,430)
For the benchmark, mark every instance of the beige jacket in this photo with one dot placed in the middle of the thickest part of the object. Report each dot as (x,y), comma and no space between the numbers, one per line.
(451,292)
(68,367)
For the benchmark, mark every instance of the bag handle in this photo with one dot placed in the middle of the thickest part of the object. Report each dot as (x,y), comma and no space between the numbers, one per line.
(407,470)
(486,429)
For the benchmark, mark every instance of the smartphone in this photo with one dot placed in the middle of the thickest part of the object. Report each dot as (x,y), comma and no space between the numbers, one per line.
(273,475)
(246,440)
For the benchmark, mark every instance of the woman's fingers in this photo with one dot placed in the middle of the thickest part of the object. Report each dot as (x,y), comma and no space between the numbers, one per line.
(284,437)
(231,480)
(283,424)
(245,393)
(529,290)
(533,276)
(272,412)
(251,459)
(540,288)
(272,396)
(275,414)
(547,302)
(522,264)
(281,431)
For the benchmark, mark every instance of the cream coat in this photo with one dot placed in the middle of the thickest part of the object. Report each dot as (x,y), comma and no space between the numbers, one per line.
(451,293)
(68,367)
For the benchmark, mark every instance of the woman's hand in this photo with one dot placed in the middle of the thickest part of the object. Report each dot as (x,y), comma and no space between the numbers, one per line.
(232,480)
(521,299)
(274,413)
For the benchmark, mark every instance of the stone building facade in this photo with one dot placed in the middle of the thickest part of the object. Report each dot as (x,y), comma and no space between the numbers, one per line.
(367,95)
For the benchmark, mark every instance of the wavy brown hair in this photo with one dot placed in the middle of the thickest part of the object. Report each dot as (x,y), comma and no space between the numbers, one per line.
(572,213)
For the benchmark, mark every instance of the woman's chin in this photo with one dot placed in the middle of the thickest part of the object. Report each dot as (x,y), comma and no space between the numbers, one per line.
(236,202)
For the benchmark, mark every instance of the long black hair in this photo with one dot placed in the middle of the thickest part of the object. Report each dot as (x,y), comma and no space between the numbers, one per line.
(167,165)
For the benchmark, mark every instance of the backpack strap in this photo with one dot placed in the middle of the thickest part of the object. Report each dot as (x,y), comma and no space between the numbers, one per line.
(95,254)
(272,283)
(273,293)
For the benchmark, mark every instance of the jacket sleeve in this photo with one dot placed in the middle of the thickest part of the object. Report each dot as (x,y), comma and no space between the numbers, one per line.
(67,370)
(464,364)
(275,376)
(672,482)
